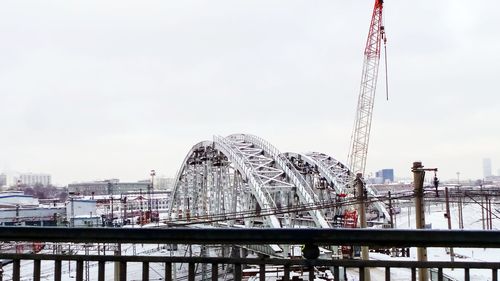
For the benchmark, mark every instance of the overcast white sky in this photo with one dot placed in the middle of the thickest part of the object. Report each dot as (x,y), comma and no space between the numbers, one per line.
(112,89)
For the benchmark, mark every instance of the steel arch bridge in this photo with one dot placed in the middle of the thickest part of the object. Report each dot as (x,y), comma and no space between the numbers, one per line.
(244,181)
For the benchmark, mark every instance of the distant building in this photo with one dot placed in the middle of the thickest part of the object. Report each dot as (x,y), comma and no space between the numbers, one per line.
(164,183)
(107,187)
(3,180)
(386,175)
(31,179)
(487,168)
(383,189)
(493,180)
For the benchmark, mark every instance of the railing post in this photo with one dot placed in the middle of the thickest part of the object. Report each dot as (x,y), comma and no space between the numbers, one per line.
(79,270)
(262,272)
(336,273)
(57,270)
(36,270)
(237,272)
(191,271)
(362,274)
(286,274)
(215,272)
(168,271)
(123,271)
(101,271)
(145,271)
(311,273)
(16,270)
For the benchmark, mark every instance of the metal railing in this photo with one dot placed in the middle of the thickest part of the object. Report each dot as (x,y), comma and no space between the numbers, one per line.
(311,238)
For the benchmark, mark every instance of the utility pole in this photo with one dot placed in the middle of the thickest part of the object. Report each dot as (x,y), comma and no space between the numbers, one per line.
(488,213)
(418,180)
(461,212)
(485,207)
(112,211)
(491,217)
(360,189)
(72,219)
(482,209)
(448,216)
(150,190)
(390,209)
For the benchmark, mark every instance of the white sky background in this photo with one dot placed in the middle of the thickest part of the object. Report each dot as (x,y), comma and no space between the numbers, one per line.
(102,89)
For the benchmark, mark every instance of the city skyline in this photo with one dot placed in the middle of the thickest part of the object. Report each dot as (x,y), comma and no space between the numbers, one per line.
(12,176)
(111,90)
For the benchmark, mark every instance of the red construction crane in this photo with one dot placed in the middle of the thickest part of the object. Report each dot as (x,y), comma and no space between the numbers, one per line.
(361,132)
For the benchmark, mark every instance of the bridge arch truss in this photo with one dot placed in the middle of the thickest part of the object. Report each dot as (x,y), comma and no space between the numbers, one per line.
(243,180)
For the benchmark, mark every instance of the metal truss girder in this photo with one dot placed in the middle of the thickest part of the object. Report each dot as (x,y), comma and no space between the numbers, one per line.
(180,172)
(305,192)
(330,168)
(261,194)
(379,205)
(343,177)
(220,145)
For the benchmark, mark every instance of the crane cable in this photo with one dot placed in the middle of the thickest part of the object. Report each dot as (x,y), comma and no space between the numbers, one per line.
(386,79)
(384,37)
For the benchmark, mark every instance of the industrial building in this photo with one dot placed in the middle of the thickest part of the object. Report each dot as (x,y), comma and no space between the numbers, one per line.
(107,187)
(19,209)
(82,212)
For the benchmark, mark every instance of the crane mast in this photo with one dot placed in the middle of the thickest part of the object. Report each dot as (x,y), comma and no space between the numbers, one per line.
(362,125)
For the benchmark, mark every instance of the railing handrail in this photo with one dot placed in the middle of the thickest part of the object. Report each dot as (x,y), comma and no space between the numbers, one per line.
(364,237)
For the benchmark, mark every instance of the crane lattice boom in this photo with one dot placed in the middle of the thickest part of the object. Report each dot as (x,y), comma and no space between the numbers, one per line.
(362,125)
